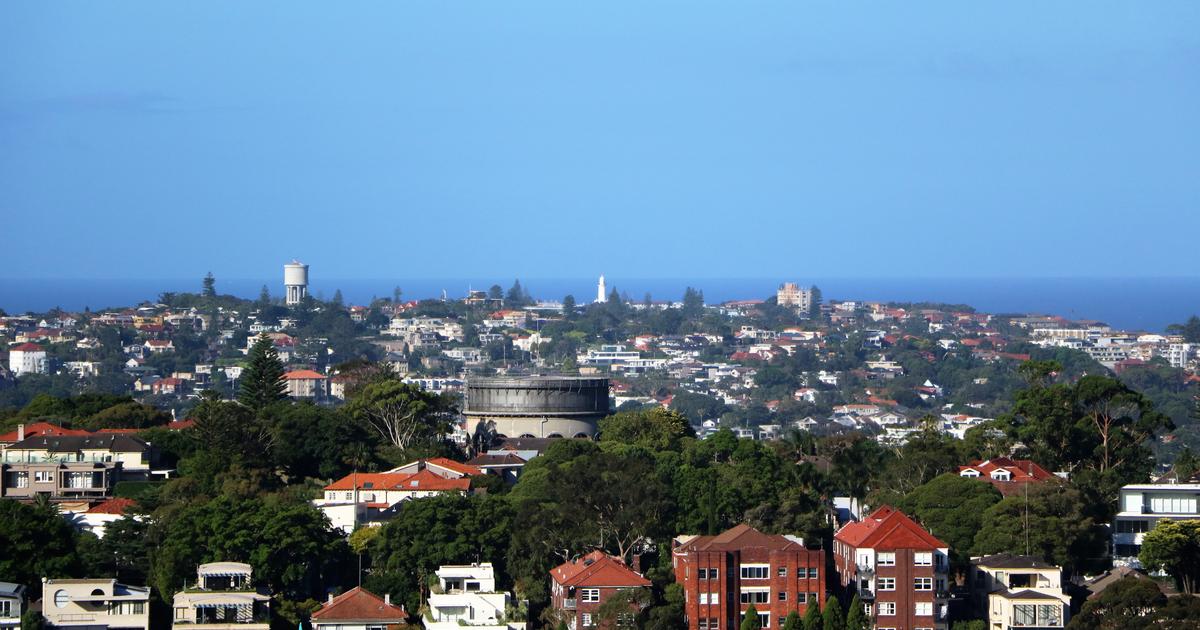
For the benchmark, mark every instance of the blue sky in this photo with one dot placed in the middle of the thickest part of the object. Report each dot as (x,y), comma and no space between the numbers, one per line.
(640,139)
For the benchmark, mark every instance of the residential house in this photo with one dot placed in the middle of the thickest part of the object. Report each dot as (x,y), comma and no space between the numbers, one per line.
(95,604)
(223,598)
(96,518)
(306,384)
(466,595)
(155,346)
(27,358)
(580,587)
(723,575)
(1019,592)
(1009,476)
(81,467)
(371,498)
(1141,506)
(358,609)
(898,569)
(12,605)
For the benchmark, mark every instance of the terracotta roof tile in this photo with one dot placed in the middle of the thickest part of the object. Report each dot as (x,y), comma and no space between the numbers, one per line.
(358,604)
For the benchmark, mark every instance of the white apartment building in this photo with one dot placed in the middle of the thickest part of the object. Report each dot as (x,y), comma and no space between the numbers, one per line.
(608,355)
(467,596)
(1019,592)
(789,294)
(101,604)
(1141,507)
(27,358)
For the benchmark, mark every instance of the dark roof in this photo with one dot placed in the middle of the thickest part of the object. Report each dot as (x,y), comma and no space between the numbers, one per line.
(497,459)
(739,537)
(1029,594)
(114,442)
(1011,561)
(525,444)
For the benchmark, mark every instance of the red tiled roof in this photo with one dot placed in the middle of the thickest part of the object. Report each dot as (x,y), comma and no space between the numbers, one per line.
(41,428)
(112,506)
(458,467)
(887,528)
(739,537)
(1022,470)
(423,480)
(27,347)
(357,604)
(295,375)
(597,569)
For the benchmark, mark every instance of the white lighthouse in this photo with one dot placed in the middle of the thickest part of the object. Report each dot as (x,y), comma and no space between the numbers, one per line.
(295,281)
(601,293)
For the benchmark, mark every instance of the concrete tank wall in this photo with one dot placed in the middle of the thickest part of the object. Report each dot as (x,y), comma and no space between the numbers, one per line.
(295,274)
(538,406)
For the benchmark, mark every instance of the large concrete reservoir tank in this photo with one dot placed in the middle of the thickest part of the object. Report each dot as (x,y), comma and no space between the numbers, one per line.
(537,406)
(295,281)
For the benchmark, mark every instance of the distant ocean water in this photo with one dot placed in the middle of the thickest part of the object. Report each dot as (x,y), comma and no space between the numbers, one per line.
(1148,304)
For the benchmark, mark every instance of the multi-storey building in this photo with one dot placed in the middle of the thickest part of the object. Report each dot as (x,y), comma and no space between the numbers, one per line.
(27,358)
(1142,506)
(580,587)
(467,596)
(724,575)
(224,598)
(101,604)
(72,467)
(1019,592)
(12,605)
(358,609)
(789,294)
(897,568)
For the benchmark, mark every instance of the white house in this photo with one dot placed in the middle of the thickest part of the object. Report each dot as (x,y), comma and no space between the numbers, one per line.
(27,358)
(222,598)
(1019,592)
(1141,507)
(12,605)
(467,596)
(95,604)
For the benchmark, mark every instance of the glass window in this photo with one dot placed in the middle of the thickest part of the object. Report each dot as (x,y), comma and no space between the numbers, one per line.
(887,584)
(887,609)
(812,572)
(922,584)
(61,599)
(756,596)
(782,571)
(1049,615)
(755,571)
(923,559)
(589,594)
(714,623)
(887,559)
(702,574)
(1024,615)
(764,620)
(585,619)
(703,599)
(43,476)
(783,596)
(800,597)
(924,609)
(702,623)
(1136,526)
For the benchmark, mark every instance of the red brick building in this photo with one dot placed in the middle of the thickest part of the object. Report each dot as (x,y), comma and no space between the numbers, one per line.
(1009,476)
(578,588)
(898,568)
(723,575)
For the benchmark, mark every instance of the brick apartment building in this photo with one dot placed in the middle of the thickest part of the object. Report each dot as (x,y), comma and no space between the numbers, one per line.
(578,588)
(723,575)
(898,569)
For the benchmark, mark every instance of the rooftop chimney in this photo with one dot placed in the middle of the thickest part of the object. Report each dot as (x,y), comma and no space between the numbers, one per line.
(387,598)
(20,431)
(330,600)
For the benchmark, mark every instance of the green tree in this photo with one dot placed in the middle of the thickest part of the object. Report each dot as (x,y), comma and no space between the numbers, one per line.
(970,624)
(1189,329)
(952,508)
(857,618)
(657,429)
(750,619)
(834,617)
(262,381)
(812,616)
(1046,520)
(568,307)
(403,414)
(793,621)
(210,286)
(1126,604)
(32,620)
(37,543)
(495,292)
(814,305)
(1174,547)
(693,303)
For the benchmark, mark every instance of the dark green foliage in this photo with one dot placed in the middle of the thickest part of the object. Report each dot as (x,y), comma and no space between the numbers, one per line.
(1174,547)
(952,508)
(812,617)
(857,618)
(1129,603)
(401,414)
(1058,531)
(750,619)
(37,542)
(1189,329)
(655,429)
(793,621)
(262,381)
(834,618)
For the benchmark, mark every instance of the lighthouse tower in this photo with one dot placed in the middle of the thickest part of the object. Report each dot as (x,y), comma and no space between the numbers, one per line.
(601,292)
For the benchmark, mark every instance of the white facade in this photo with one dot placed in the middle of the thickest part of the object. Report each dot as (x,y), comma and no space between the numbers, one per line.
(467,596)
(12,605)
(1020,592)
(789,294)
(223,598)
(601,293)
(27,361)
(95,604)
(1141,507)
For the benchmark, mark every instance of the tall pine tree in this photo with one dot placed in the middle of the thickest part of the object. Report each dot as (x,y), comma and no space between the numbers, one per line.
(750,619)
(262,381)
(857,618)
(812,616)
(835,617)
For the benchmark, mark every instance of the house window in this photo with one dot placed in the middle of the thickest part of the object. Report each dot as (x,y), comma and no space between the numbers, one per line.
(713,623)
(61,599)
(43,476)
(349,496)
(710,598)
(887,609)
(887,559)
(887,584)
(1136,526)
(764,620)
(1024,615)
(781,621)
(585,619)
(783,596)
(782,571)
(756,596)
(20,480)
(923,559)
(755,571)
(812,573)
(801,597)
(5,608)
(922,584)
(924,609)
(703,599)
(702,574)
(589,595)
(702,623)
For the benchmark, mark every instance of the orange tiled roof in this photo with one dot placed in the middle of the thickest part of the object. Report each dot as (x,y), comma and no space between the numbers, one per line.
(357,604)
(597,569)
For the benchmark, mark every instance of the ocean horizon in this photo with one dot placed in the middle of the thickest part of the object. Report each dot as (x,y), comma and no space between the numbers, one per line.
(1146,304)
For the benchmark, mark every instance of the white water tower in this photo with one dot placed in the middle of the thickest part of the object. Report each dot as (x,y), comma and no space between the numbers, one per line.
(295,281)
